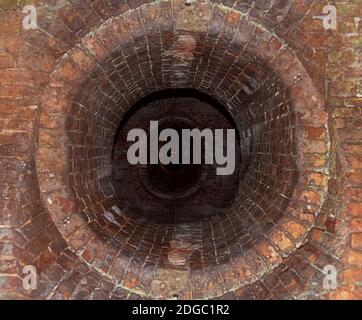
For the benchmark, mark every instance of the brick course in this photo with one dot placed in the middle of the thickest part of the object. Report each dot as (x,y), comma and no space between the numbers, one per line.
(291,90)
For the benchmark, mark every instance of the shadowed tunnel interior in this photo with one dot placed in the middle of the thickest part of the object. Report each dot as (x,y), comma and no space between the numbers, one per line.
(97,227)
(135,210)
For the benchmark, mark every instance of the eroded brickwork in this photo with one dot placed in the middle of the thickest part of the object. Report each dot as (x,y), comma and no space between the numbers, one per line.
(292,90)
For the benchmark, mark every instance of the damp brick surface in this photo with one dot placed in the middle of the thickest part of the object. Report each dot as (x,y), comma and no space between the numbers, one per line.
(72,207)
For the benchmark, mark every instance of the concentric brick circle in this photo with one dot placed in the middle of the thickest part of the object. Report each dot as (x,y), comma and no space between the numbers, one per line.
(281,121)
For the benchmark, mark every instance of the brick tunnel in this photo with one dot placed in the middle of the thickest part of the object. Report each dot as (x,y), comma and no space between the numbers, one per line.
(95,227)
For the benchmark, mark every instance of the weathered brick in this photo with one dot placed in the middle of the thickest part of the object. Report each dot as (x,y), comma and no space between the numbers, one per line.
(267,68)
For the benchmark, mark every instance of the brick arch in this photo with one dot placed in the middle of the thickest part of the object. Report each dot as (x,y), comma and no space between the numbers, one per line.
(80,61)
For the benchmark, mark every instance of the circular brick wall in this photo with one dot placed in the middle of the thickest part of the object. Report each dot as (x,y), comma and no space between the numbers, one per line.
(259,82)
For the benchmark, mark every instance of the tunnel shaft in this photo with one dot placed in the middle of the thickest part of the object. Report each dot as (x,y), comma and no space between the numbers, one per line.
(97,227)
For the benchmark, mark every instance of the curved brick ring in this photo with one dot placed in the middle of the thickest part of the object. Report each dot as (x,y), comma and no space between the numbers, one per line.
(74,196)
